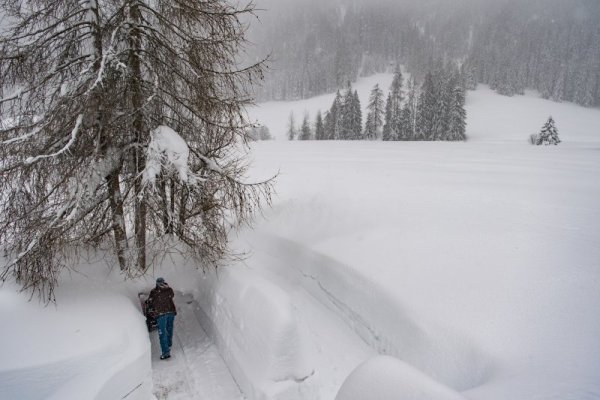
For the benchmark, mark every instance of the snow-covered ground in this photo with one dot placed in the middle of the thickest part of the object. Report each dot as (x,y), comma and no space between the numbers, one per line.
(91,345)
(414,270)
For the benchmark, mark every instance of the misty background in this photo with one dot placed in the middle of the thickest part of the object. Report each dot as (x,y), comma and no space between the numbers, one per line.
(317,46)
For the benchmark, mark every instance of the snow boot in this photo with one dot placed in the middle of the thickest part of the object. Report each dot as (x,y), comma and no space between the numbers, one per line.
(165,356)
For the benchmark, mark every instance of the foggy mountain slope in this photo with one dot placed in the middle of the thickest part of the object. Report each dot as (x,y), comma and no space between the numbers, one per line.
(549,45)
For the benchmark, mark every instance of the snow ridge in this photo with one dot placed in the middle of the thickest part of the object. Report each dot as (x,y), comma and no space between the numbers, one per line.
(444,355)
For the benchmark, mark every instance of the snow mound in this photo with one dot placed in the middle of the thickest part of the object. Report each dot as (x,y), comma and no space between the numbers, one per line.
(387,378)
(81,349)
(377,317)
(253,323)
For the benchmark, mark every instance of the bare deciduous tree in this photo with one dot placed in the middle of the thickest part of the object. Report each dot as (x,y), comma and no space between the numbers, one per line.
(84,84)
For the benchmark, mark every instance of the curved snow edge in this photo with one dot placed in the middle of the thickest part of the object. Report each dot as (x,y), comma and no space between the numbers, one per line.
(379,320)
(118,369)
(387,378)
(253,325)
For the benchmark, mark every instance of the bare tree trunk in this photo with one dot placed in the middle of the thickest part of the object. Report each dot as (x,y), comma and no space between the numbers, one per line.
(103,143)
(135,43)
(172,210)
(116,206)
(182,210)
(167,216)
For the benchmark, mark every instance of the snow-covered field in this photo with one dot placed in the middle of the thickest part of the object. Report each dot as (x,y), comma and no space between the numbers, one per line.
(389,270)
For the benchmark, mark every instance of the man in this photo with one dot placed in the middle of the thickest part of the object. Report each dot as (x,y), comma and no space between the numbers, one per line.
(161,299)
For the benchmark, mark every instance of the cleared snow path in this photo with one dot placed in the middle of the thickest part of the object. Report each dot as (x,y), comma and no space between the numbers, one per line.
(195,369)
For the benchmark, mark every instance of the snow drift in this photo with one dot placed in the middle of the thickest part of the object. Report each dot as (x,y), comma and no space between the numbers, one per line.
(387,378)
(92,346)
(252,320)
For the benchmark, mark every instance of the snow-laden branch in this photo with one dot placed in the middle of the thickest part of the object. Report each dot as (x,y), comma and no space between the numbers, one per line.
(167,148)
(24,137)
(106,56)
(14,96)
(210,164)
(31,160)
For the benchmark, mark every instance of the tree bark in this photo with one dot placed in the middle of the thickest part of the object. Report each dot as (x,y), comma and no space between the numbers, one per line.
(135,47)
(118,218)
(103,145)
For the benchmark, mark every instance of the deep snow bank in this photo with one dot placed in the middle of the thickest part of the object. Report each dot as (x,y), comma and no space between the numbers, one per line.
(252,321)
(377,317)
(387,378)
(92,345)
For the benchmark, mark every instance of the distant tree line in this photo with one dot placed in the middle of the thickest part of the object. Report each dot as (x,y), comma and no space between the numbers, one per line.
(434,112)
(552,46)
(259,132)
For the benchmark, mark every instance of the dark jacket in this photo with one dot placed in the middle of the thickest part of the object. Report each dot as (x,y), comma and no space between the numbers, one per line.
(161,299)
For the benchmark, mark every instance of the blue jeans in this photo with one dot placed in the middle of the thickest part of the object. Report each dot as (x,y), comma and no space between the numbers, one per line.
(165,332)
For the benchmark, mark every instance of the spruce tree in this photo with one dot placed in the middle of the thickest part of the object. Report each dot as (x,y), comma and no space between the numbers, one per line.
(264,133)
(356,118)
(409,113)
(333,120)
(346,116)
(375,113)
(329,125)
(319,127)
(387,126)
(292,132)
(305,132)
(468,76)
(393,109)
(396,104)
(549,134)
(426,110)
(458,115)
(444,82)
(337,110)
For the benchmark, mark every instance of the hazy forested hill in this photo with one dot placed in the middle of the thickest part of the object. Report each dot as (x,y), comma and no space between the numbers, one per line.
(316,46)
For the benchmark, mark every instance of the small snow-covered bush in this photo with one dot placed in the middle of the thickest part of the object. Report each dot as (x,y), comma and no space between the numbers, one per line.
(533,138)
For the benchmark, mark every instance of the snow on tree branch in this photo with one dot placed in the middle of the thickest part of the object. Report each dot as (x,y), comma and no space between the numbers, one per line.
(31,160)
(166,149)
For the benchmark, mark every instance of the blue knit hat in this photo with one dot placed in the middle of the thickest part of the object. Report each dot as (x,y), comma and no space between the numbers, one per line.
(160,281)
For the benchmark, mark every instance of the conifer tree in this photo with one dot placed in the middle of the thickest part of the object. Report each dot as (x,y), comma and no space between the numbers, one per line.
(426,110)
(396,104)
(319,127)
(338,107)
(387,126)
(333,120)
(393,108)
(468,78)
(409,112)
(375,113)
(346,115)
(305,131)
(329,125)
(356,118)
(443,78)
(292,132)
(458,115)
(549,134)
(264,133)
